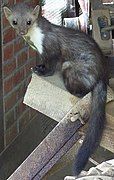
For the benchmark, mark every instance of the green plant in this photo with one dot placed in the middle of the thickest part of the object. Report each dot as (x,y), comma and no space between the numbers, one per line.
(41,2)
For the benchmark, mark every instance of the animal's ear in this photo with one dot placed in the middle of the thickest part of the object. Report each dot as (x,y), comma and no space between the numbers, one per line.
(36,11)
(7,12)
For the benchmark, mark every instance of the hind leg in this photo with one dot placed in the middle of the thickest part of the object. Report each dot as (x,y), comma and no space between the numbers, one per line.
(76,81)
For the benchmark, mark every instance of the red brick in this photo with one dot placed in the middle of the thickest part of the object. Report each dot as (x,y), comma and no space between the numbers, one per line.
(21,91)
(10,101)
(32,53)
(8,85)
(9,68)
(28,67)
(33,3)
(11,134)
(20,108)
(9,35)
(23,121)
(18,45)
(13,97)
(5,22)
(9,119)
(21,59)
(13,81)
(11,2)
(18,77)
(8,52)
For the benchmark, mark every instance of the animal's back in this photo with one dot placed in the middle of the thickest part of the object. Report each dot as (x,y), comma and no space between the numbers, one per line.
(77,43)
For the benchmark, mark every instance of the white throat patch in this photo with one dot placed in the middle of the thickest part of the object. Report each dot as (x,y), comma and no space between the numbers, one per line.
(36,36)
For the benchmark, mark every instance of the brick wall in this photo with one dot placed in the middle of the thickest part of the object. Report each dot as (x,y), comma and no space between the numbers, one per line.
(17,59)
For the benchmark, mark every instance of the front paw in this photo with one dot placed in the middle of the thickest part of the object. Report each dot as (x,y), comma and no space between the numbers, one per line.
(39,69)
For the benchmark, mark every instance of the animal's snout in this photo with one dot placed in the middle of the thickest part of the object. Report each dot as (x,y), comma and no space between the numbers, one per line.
(23,33)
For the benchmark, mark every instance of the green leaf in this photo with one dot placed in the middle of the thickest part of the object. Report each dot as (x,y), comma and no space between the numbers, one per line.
(41,2)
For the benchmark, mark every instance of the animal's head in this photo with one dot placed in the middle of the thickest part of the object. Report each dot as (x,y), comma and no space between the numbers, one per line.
(21,17)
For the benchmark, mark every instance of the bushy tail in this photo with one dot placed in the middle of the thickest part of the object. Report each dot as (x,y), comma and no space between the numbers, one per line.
(95,129)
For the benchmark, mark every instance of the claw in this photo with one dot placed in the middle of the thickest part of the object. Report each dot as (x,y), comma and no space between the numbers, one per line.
(76,116)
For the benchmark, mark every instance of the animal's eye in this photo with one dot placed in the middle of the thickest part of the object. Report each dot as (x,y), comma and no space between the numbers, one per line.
(14,22)
(28,22)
